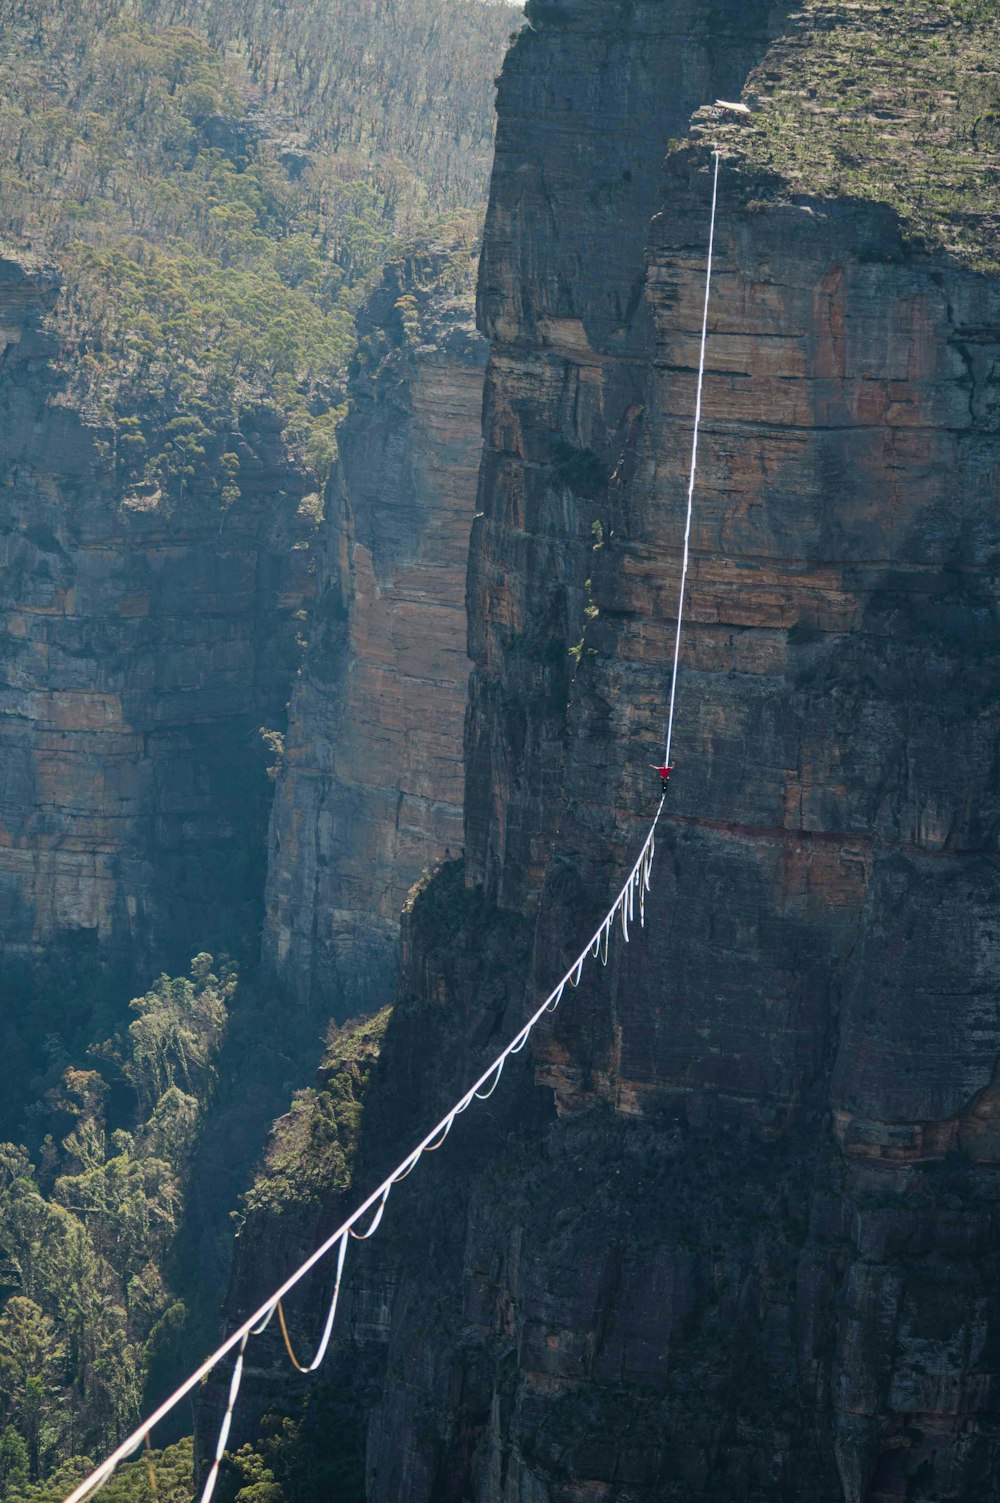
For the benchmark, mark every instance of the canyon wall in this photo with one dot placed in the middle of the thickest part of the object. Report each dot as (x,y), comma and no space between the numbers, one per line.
(727,1231)
(146,645)
(370,795)
(143,647)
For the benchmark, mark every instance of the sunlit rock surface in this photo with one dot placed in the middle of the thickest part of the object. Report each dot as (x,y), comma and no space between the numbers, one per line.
(371,793)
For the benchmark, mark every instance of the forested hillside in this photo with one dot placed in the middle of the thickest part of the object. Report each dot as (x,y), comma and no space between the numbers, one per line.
(216,182)
(199,195)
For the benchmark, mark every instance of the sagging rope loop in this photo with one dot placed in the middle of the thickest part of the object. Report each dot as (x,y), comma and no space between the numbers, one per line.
(640,876)
(376,1219)
(485,1095)
(330,1317)
(227,1420)
(481,1090)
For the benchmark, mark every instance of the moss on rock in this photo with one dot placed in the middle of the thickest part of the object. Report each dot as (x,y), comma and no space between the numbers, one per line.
(310,1153)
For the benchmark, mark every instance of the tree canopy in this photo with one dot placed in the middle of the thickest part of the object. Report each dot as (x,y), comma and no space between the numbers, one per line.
(87,1233)
(218,181)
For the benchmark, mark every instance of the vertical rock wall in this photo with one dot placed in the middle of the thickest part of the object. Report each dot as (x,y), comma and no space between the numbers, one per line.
(731,1233)
(811,1002)
(371,793)
(588,100)
(141,652)
(752,1256)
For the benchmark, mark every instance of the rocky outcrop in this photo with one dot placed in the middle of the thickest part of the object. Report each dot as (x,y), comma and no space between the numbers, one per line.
(729,1233)
(371,792)
(143,646)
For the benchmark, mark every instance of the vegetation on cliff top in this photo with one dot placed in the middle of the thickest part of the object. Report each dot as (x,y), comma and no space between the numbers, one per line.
(217,182)
(310,1153)
(424,302)
(892,101)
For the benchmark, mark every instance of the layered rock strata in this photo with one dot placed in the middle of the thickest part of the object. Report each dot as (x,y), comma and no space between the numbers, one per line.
(371,792)
(729,1234)
(142,649)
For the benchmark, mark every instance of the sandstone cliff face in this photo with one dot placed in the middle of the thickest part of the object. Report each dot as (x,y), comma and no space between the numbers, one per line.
(142,649)
(820,971)
(371,793)
(730,1231)
(588,100)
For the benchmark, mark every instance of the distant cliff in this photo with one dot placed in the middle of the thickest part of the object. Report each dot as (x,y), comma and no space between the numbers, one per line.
(144,644)
(370,795)
(192,215)
(730,1234)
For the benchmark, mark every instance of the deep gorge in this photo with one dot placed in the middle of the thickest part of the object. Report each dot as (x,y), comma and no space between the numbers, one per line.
(727,1229)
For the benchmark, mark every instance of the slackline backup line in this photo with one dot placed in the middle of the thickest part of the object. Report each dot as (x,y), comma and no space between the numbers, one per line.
(638,883)
(694,463)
